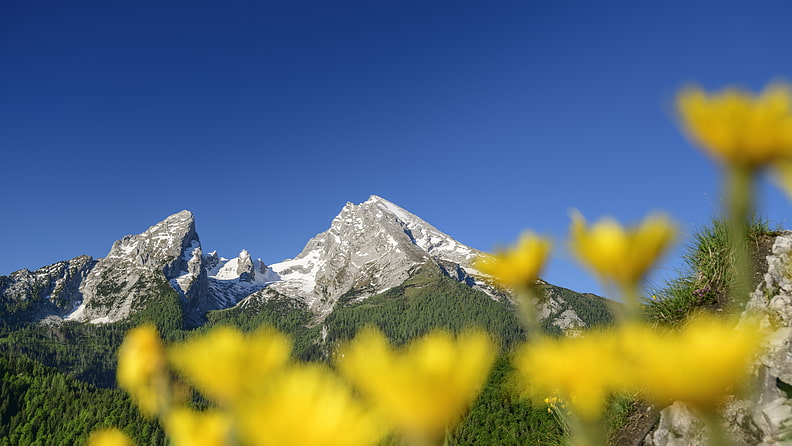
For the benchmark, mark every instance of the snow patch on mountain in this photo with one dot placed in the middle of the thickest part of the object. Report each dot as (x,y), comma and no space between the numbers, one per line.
(231,280)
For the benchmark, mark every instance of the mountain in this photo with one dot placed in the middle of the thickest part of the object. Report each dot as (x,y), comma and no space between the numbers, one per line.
(369,249)
(119,284)
(61,325)
(51,290)
(131,275)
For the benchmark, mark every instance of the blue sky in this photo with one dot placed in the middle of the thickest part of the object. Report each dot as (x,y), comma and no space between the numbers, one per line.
(265,118)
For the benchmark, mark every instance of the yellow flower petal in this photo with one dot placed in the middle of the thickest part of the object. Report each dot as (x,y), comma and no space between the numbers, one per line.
(738,128)
(518,267)
(697,365)
(186,427)
(583,370)
(141,368)
(424,388)
(109,437)
(225,363)
(306,406)
(617,254)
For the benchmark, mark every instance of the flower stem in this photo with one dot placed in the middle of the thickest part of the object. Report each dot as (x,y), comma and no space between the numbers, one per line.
(717,436)
(588,433)
(632,311)
(739,195)
(526,305)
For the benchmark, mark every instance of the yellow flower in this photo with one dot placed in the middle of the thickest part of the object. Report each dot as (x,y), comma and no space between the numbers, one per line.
(109,437)
(306,406)
(424,388)
(582,371)
(518,267)
(186,427)
(698,364)
(225,363)
(141,369)
(617,254)
(738,128)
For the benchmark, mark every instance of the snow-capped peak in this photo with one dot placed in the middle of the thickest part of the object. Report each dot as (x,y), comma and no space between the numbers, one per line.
(426,236)
(170,248)
(368,248)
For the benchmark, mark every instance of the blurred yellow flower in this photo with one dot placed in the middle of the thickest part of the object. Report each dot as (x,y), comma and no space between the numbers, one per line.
(306,405)
(517,267)
(225,363)
(425,387)
(583,371)
(109,437)
(621,255)
(186,427)
(698,364)
(738,128)
(141,368)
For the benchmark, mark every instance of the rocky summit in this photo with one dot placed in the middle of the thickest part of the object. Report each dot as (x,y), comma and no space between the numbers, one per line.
(369,248)
(119,283)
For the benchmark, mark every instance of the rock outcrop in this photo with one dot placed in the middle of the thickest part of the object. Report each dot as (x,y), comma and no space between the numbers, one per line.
(765,417)
(368,249)
(53,290)
(118,284)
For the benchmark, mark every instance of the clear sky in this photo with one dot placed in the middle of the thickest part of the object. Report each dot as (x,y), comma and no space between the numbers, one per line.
(264,118)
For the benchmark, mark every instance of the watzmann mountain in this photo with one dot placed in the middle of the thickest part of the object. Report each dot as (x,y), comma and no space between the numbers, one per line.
(62,325)
(371,249)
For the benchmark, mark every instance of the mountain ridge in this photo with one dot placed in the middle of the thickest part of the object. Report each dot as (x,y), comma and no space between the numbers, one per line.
(368,249)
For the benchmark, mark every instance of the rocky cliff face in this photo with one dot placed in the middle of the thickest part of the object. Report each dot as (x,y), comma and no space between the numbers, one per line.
(368,249)
(53,290)
(377,245)
(118,284)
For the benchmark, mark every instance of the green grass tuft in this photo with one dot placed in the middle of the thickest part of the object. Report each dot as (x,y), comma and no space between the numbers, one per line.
(709,272)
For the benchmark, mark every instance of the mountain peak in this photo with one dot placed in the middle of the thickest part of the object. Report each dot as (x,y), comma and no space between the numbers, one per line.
(387,205)
(369,247)
(184,217)
(170,248)
(376,198)
(181,215)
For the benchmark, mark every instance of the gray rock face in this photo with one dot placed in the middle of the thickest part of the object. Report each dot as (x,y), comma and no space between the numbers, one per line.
(369,248)
(678,426)
(377,245)
(118,283)
(771,415)
(211,260)
(49,291)
(131,274)
(244,268)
